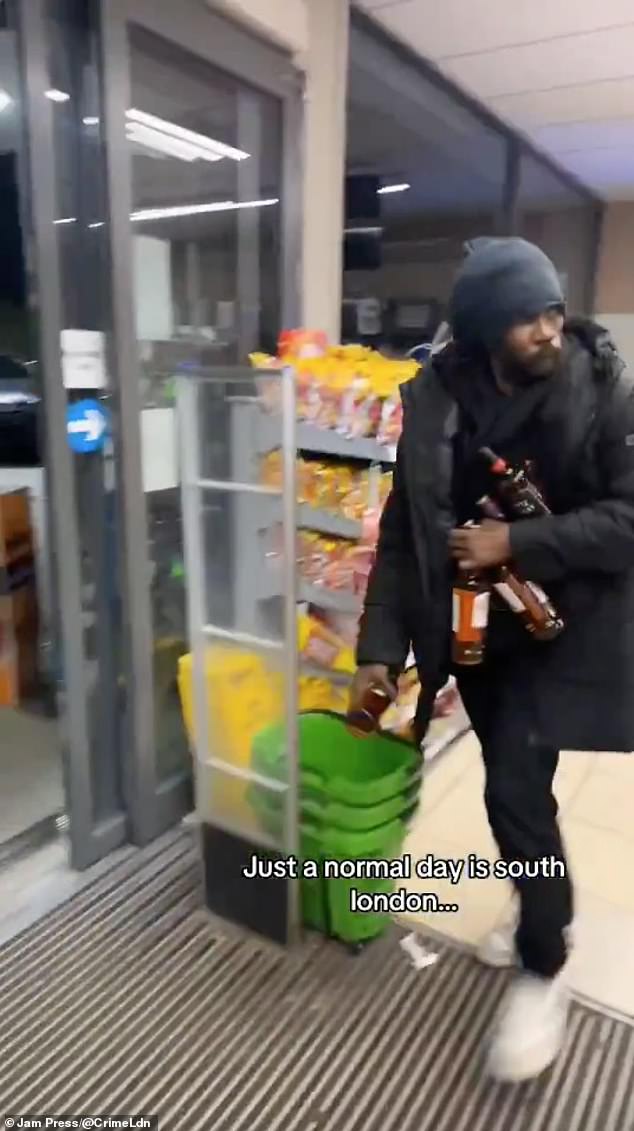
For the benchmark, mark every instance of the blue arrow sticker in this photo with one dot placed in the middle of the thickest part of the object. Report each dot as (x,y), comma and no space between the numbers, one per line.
(87,425)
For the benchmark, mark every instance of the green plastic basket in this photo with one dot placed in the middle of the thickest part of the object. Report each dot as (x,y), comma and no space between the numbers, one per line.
(352,771)
(318,809)
(379,844)
(326,902)
(356,798)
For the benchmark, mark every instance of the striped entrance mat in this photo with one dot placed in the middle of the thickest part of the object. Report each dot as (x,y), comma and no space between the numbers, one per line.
(128,1000)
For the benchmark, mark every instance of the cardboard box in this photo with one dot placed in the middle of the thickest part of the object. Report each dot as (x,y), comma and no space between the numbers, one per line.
(18,601)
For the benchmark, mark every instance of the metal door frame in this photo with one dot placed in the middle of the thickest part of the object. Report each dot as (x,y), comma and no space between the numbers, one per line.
(154,806)
(90,840)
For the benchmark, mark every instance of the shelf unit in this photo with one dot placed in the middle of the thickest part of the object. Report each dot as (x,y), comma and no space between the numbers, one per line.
(311,441)
(314,441)
(233,598)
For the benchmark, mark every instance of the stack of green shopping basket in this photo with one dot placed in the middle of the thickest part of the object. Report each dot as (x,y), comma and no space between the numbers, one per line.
(356,798)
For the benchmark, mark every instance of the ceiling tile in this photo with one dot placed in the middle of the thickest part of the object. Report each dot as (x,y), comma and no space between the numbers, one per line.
(372,5)
(453,27)
(590,102)
(611,172)
(592,57)
(575,136)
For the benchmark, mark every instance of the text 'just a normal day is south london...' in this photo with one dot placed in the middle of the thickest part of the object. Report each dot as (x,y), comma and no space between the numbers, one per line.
(404,867)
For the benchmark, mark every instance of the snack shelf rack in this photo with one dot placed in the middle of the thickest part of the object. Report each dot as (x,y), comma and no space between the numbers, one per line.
(315,441)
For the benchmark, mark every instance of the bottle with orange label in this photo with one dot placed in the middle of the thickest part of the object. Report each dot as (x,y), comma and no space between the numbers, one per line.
(365,719)
(529,602)
(471,599)
(524,598)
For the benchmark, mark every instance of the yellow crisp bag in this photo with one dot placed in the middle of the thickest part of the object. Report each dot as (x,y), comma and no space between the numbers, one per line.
(322,695)
(319,645)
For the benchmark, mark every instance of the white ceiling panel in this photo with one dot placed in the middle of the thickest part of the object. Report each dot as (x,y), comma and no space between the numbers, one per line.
(593,57)
(610,171)
(574,137)
(602,161)
(443,29)
(588,102)
(561,71)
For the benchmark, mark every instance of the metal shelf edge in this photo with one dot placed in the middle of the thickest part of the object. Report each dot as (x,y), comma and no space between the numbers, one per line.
(325,522)
(339,601)
(328,442)
(323,441)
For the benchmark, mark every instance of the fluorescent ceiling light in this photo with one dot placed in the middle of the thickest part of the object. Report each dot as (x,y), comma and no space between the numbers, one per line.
(362,231)
(393,188)
(201,141)
(19,398)
(97,224)
(199,209)
(5,100)
(66,220)
(57,95)
(162,143)
(91,121)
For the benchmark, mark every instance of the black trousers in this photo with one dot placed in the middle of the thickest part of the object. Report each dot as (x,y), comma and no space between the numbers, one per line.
(522,810)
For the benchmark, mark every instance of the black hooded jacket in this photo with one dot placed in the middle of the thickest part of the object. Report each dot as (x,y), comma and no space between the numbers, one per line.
(578,429)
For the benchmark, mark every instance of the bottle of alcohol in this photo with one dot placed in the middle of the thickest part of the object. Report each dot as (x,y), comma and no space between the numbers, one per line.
(529,602)
(365,720)
(519,496)
(490,509)
(525,598)
(471,599)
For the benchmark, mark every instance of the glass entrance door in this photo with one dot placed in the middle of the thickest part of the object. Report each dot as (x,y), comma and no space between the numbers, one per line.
(200,124)
(71,312)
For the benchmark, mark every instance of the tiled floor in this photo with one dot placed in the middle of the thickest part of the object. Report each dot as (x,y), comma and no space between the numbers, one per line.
(596,796)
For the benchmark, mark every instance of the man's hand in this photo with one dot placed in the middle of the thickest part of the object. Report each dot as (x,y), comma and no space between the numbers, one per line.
(367,676)
(481,547)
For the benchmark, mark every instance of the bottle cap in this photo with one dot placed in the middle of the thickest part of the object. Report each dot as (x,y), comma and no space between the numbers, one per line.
(496,464)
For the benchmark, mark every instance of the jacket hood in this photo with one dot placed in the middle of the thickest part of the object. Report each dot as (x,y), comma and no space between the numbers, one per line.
(608,364)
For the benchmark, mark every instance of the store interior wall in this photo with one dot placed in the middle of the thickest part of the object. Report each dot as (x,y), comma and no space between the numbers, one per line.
(324,163)
(419,259)
(562,235)
(285,22)
(615,277)
(418,264)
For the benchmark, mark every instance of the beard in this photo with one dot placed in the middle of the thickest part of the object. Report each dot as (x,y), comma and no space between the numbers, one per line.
(526,370)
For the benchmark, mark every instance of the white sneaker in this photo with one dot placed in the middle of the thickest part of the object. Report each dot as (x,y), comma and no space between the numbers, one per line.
(498,948)
(530,1029)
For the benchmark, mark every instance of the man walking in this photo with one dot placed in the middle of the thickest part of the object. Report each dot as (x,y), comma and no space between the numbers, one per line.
(521,380)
